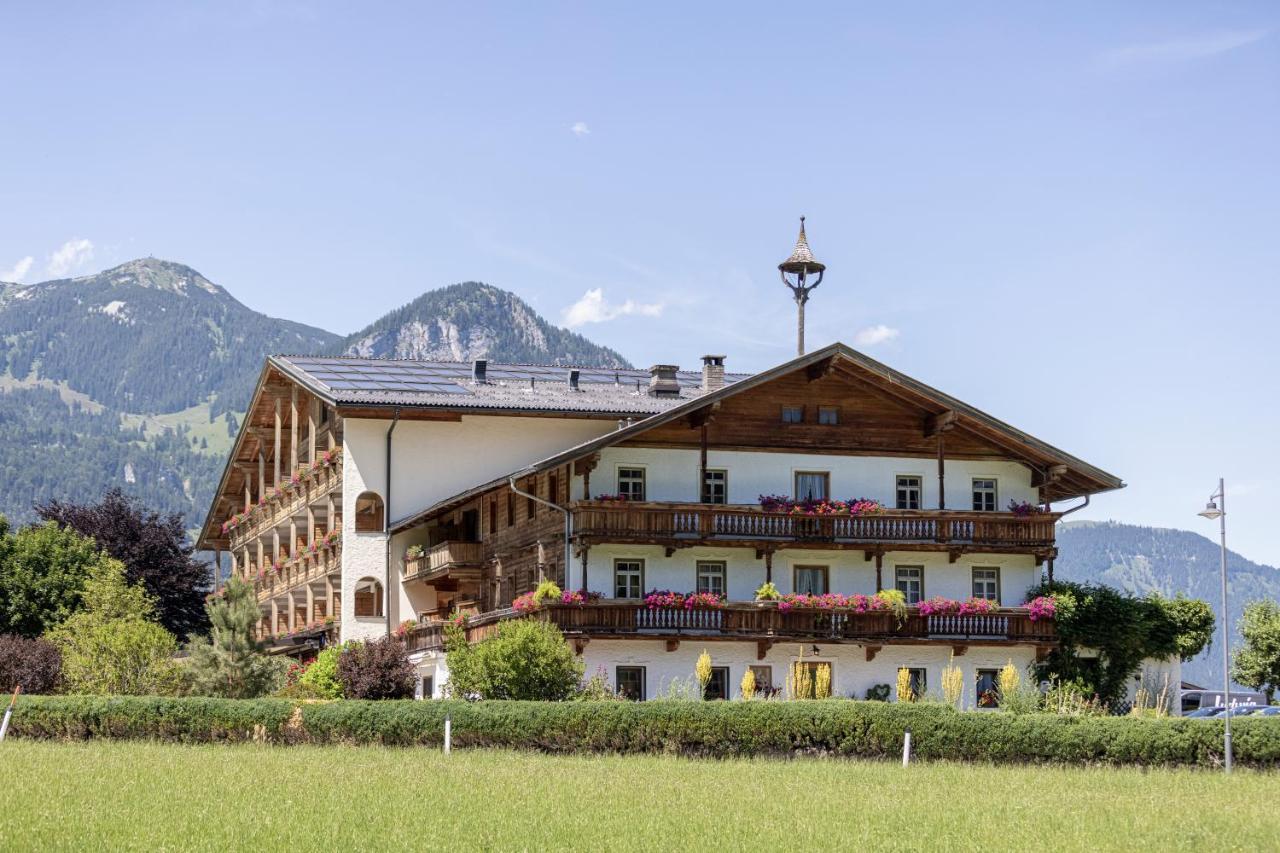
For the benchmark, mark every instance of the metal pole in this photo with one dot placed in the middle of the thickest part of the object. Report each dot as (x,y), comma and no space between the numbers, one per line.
(448,734)
(906,748)
(1226,629)
(8,712)
(801,298)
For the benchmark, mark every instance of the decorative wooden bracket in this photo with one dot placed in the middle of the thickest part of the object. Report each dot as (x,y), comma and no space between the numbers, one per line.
(762,648)
(821,369)
(580,644)
(943,422)
(953,554)
(873,553)
(587,464)
(705,415)
(959,651)
(872,651)
(1048,476)
(672,645)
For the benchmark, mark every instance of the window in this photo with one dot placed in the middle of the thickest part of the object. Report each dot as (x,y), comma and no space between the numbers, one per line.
(715,486)
(811,580)
(919,684)
(628,578)
(764,680)
(984,495)
(493,516)
(368,598)
(793,414)
(811,679)
(553,489)
(908,493)
(986,584)
(631,483)
(511,508)
(828,415)
(812,485)
(910,582)
(530,505)
(369,513)
(718,686)
(986,688)
(629,682)
(710,577)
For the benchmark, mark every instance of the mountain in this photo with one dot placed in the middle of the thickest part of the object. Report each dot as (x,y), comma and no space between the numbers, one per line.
(147,336)
(1145,559)
(475,320)
(137,376)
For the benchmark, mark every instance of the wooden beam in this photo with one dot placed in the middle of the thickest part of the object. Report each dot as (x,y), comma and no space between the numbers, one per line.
(939,423)
(820,369)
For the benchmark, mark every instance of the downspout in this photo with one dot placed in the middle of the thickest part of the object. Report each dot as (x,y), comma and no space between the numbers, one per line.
(1067,512)
(386,525)
(568,556)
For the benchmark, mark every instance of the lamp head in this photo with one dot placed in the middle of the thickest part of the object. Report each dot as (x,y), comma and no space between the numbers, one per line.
(1211,511)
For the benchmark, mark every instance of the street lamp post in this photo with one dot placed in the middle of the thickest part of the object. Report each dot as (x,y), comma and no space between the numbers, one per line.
(800,266)
(1217,508)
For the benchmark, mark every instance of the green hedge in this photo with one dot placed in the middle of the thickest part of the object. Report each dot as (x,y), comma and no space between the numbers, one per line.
(835,727)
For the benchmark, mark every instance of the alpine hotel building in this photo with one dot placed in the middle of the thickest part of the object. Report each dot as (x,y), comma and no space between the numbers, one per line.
(365,497)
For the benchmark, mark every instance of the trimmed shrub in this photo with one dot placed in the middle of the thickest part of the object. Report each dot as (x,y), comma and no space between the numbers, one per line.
(320,679)
(526,659)
(32,663)
(713,729)
(378,669)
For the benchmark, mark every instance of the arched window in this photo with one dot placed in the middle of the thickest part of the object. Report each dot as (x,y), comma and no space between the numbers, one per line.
(369,514)
(368,598)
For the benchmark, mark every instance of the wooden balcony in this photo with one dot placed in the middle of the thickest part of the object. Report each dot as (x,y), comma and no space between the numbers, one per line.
(311,568)
(761,622)
(679,523)
(448,559)
(276,513)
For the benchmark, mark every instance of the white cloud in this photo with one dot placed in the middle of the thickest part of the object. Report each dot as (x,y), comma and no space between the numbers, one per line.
(72,255)
(594,308)
(1181,50)
(873,335)
(19,271)
(580,128)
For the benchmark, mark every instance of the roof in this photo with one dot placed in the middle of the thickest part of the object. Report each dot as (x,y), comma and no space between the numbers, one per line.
(507,387)
(966,415)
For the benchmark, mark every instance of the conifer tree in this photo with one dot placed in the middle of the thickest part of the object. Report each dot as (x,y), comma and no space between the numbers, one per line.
(228,662)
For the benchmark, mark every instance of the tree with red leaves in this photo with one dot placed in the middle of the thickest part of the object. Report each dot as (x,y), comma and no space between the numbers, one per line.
(154,550)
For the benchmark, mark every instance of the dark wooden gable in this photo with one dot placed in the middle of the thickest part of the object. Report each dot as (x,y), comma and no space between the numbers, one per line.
(870,421)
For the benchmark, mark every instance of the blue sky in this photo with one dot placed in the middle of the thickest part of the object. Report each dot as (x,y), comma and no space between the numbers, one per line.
(1064,215)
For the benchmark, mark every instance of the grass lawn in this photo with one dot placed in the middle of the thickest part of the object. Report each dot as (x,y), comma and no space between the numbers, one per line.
(153,796)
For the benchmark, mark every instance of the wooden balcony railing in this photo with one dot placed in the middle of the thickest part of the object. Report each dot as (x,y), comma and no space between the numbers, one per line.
(667,521)
(752,621)
(263,517)
(758,621)
(305,569)
(444,557)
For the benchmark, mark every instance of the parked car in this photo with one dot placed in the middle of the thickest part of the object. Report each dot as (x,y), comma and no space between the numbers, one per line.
(1269,711)
(1242,711)
(1205,713)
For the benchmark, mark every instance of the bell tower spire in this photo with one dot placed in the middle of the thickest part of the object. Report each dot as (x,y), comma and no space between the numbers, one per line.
(800,267)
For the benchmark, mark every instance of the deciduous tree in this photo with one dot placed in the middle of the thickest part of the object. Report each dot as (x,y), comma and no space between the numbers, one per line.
(155,552)
(1257,663)
(43,570)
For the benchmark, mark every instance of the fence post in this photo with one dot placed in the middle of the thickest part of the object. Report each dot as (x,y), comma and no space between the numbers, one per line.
(8,712)
(448,733)
(906,747)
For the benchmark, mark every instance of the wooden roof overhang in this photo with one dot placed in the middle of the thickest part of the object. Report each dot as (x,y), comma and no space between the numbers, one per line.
(1058,474)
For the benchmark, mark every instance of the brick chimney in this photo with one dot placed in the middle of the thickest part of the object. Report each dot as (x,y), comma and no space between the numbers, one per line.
(712,372)
(663,381)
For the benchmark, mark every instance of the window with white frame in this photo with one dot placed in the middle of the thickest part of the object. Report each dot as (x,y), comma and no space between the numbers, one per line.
(909,580)
(630,682)
(715,486)
(631,483)
(812,485)
(909,492)
(986,583)
(984,495)
(628,578)
(711,575)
